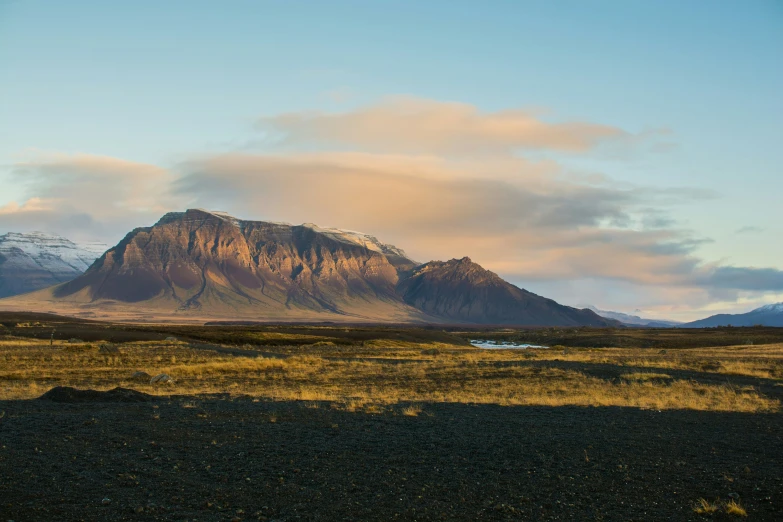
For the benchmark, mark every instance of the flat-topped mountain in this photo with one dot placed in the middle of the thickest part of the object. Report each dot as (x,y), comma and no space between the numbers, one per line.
(209,265)
(36,260)
(213,264)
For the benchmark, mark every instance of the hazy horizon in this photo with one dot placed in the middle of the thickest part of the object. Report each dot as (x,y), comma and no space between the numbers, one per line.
(621,155)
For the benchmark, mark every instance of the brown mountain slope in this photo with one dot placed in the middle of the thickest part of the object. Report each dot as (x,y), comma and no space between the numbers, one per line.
(462,291)
(212,265)
(198,266)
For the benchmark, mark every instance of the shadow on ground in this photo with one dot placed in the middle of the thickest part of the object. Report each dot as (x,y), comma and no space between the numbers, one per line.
(217,458)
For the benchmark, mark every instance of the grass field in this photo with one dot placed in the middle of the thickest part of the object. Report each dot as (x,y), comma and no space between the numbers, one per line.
(376,375)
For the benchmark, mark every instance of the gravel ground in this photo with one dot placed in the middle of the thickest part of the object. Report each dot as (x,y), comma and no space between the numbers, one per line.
(217,458)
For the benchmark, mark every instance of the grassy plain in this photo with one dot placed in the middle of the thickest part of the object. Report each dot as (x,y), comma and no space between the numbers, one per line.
(378,374)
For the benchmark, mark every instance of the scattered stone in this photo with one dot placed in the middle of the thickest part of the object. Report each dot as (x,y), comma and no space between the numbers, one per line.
(663,352)
(108,348)
(734,496)
(172,339)
(74,340)
(106,501)
(73,395)
(162,378)
(430,351)
(141,376)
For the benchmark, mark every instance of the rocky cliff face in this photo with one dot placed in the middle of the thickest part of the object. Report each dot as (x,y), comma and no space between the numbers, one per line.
(462,291)
(35,260)
(199,260)
(210,265)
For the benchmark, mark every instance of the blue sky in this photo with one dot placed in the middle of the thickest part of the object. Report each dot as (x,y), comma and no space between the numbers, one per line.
(697,84)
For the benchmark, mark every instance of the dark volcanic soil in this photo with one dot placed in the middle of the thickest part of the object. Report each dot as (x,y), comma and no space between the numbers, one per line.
(220,459)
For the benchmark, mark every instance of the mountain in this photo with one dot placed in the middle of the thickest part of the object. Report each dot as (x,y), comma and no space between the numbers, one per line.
(462,291)
(769,315)
(634,320)
(35,260)
(201,265)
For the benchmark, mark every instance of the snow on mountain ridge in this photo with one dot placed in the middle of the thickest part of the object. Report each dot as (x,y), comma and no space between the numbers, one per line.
(49,252)
(775,307)
(359,238)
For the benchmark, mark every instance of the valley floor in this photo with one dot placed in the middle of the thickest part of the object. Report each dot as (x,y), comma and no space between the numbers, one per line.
(326,422)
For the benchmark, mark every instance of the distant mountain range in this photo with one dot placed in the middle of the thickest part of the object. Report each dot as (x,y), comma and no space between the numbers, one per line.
(33,261)
(769,315)
(202,265)
(634,320)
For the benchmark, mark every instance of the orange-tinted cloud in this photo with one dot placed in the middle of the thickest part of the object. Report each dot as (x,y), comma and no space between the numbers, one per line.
(416,126)
(532,225)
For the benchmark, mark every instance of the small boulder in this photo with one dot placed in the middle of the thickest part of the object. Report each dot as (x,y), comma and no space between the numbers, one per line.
(74,340)
(172,339)
(430,351)
(162,378)
(141,376)
(108,349)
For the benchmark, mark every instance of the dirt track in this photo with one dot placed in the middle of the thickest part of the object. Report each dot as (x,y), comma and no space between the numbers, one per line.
(222,459)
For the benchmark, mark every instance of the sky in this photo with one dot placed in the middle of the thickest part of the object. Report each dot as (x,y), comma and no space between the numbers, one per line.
(625,155)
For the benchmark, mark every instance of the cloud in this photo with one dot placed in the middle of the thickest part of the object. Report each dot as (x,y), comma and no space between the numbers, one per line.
(438,179)
(749,230)
(532,225)
(85,197)
(742,278)
(414,126)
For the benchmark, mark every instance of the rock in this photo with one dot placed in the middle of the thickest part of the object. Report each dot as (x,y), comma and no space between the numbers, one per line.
(734,496)
(172,339)
(73,395)
(162,378)
(108,348)
(106,501)
(141,376)
(74,340)
(430,351)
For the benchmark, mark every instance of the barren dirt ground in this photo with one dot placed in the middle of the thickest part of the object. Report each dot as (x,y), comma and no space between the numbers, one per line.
(219,458)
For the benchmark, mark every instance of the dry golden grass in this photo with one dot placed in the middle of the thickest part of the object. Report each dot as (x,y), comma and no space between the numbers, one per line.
(705,507)
(412,411)
(734,508)
(764,361)
(645,376)
(29,368)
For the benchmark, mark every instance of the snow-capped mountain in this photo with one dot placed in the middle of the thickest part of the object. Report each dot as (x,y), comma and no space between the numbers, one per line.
(776,308)
(36,260)
(768,315)
(632,320)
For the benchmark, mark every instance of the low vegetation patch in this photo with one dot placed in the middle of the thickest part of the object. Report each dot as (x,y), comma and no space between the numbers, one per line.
(731,508)
(705,507)
(504,377)
(645,376)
